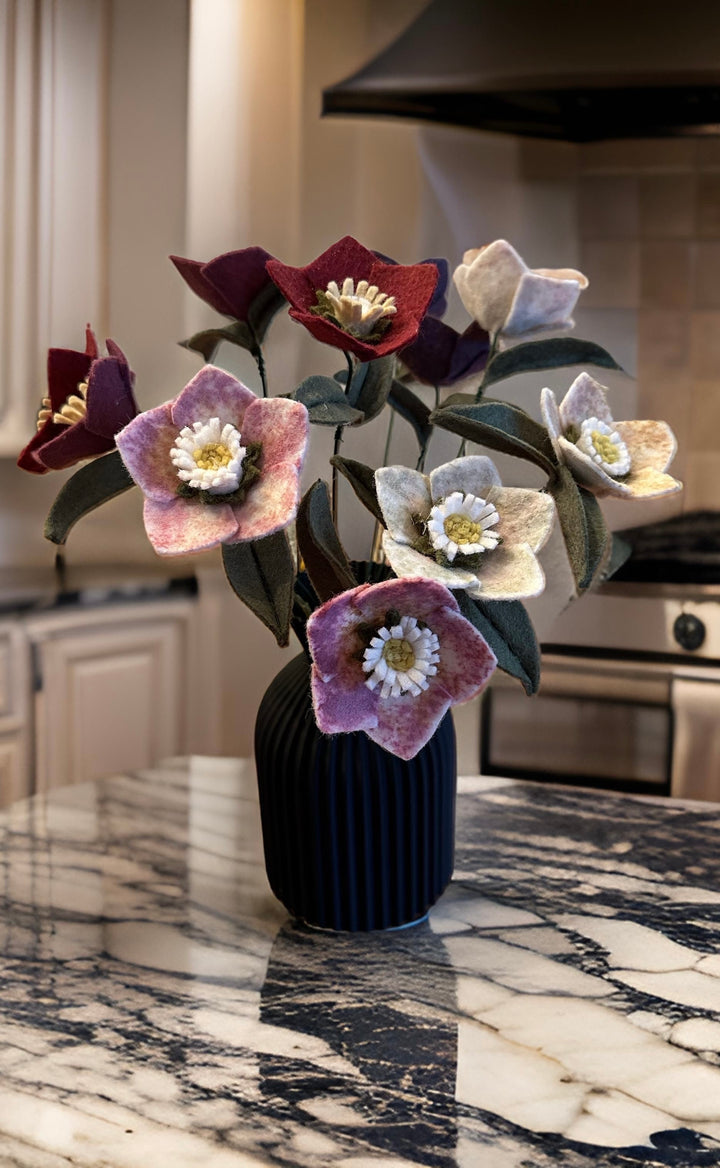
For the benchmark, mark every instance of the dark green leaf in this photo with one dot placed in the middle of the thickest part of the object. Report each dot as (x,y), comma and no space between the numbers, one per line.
(554,353)
(619,553)
(94,484)
(508,630)
(599,540)
(500,426)
(208,341)
(326,403)
(369,390)
(325,560)
(362,481)
(582,525)
(262,574)
(412,409)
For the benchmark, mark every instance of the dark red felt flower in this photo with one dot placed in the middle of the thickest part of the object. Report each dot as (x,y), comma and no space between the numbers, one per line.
(442,356)
(349,298)
(231,282)
(89,399)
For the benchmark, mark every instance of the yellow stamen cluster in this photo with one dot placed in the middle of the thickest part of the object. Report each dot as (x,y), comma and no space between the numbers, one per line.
(605,446)
(399,655)
(212,455)
(462,530)
(71,411)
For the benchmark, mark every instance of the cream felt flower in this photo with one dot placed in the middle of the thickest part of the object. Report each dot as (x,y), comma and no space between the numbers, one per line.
(506,296)
(625,459)
(462,527)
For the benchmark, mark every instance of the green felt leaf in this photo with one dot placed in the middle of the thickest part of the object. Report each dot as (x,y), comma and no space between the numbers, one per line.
(92,485)
(362,481)
(620,552)
(370,387)
(209,340)
(326,403)
(500,426)
(554,353)
(508,630)
(583,527)
(413,409)
(262,574)
(325,560)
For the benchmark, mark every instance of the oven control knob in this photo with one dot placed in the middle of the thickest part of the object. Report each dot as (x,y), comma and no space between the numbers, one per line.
(689,631)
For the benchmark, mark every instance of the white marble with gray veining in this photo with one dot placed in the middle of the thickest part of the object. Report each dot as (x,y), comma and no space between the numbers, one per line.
(560,1007)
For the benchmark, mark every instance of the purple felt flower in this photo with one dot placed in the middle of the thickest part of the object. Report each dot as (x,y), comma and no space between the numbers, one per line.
(391,658)
(349,298)
(442,356)
(217,464)
(231,282)
(89,399)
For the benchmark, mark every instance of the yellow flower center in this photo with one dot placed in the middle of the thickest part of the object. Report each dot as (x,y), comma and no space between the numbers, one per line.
(462,530)
(212,455)
(399,655)
(71,411)
(605,446)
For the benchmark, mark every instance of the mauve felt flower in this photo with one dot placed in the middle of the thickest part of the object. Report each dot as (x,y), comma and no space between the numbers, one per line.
(626,459)
(216,465)
(505,296)
(89,399)
(442,356)
(232,282)
(462,527)
(349,298)
(391,658)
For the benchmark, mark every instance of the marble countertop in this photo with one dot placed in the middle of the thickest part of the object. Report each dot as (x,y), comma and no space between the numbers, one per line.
(561,1006)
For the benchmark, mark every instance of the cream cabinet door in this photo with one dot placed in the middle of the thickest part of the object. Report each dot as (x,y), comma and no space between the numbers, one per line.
(109,698)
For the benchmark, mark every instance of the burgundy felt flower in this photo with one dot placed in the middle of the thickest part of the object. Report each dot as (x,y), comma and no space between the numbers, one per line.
(89,399)
(349,298)
(232,282)
(442,356)
(217,464)
(391,658)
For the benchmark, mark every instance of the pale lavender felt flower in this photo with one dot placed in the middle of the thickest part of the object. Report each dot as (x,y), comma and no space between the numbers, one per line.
(625,459)
(446,661)
(505,296)
(253,494)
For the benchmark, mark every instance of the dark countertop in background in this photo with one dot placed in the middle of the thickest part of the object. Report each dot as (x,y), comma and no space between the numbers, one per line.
(30,590)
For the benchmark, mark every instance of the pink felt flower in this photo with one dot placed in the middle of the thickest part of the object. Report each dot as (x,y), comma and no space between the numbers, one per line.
(216,465)
(89,399)
(349,298)
(391,658)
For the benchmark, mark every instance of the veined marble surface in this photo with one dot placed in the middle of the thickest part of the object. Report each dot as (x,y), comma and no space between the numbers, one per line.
(560,1007)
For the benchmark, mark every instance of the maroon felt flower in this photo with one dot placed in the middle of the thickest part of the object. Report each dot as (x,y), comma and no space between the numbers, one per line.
(216,465)
(442,356)
(232,282)
(89,399)
(349,298)
(391,658)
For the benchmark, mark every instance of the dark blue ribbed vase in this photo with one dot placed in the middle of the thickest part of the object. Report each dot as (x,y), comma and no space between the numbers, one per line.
(354,837)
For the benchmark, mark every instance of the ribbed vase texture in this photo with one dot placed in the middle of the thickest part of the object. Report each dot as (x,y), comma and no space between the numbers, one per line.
(354,837)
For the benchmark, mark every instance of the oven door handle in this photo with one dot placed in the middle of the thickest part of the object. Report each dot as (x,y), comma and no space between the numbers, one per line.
(696,734)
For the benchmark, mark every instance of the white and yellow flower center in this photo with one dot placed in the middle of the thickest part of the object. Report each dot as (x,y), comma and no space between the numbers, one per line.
(401,659)
(604,446)
(71,411)
(209,457)
(463,523)
(359,310)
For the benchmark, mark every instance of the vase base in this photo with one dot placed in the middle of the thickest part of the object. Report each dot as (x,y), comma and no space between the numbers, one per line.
(383,929)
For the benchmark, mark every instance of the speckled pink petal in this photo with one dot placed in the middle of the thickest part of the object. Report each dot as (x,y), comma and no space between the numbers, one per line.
(270,504)
(587,472)
(183,526)
(341,708)
(281,426)
(405,724)
(413,597)
(145,445)
(649,444)
(402,493)
(473,475)
(541,302)
(526,516)
(487,279)
(212,393)
(466,660)
(551,417)
(510,573)
(407,562)
(584,399)
(334,625)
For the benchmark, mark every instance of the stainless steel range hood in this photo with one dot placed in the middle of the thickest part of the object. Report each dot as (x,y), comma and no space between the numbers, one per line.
(574,70)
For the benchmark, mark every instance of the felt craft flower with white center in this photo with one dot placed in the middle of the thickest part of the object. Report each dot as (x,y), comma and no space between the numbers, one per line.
(359,310)
(217,464)
(391,659)
(625,459)
(462,527)
(505,296)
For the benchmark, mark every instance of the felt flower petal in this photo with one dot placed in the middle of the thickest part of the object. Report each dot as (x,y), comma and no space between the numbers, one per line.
(110,400)
(282,428)
(402,493)
(145,445)
(66,369)
(405,561)
(471,475)
(651,444)
(337,626)
(510,573)
(551,416)
(192,273)
(422,597)
(584,399)
(587,472)
(342,707)
(542,302)
(270,504)
(526,516)
(72,444)
(179,528)
(404,727)
(487,279)
(29,457)
(237,277)
(466,662)
(212,393)
(649,483)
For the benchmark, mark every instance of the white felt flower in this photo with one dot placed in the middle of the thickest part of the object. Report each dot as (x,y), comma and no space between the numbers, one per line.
(462,527)
(506,296)
(625,459)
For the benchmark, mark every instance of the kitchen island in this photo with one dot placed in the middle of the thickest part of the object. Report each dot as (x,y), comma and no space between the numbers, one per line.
(560,1006)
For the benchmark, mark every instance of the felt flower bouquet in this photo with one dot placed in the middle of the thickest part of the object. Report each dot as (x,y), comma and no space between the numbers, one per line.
(396,641)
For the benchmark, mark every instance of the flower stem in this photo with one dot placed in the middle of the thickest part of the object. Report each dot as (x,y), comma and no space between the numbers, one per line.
(420,464)
(260,361)
(338,442)
(494,341)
